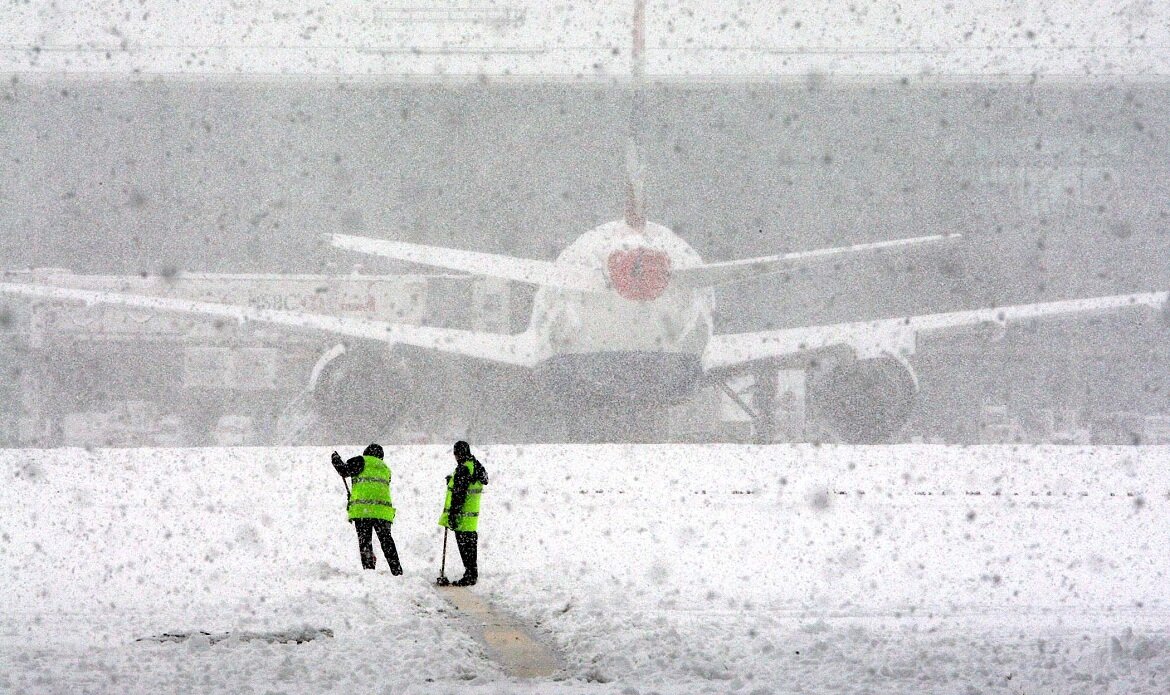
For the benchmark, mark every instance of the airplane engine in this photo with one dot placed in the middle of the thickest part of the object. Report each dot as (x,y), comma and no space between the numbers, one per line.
(362,392)
(864,401)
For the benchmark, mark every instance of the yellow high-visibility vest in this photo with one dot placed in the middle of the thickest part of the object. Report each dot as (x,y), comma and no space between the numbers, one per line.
(370,497)
(469,515)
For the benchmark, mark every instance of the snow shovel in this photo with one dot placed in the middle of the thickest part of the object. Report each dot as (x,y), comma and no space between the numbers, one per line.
(442,580)
(348,495)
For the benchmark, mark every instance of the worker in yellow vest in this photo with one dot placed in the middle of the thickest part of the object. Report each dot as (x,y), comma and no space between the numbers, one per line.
(370,507)
(461,509)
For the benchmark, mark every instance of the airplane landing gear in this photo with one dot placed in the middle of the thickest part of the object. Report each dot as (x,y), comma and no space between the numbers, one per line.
(762,411)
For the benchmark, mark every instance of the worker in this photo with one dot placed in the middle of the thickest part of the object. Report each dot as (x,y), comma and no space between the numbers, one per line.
(461,509)
(370,507)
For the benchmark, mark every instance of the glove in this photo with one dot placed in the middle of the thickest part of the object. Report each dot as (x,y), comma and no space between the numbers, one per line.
(452,521)
(337,463)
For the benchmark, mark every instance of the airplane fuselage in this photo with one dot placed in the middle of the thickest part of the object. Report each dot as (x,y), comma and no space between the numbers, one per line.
(643,337)
(642,309)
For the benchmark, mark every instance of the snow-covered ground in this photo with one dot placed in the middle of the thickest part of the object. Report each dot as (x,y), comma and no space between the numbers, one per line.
(671,569)
(537,39)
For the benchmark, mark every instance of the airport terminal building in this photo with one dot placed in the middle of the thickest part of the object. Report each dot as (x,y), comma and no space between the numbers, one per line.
(140,379)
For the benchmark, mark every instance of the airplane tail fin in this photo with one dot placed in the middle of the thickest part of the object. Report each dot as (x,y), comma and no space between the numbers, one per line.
(635,190)
(635,181)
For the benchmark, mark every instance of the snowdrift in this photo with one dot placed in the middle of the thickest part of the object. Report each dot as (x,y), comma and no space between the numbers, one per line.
(651,568)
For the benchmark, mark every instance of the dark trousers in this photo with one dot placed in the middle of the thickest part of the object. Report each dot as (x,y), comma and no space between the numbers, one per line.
(365,531)
(467,542)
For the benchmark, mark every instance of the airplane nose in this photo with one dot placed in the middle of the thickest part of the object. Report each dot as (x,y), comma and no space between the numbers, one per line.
(639,275)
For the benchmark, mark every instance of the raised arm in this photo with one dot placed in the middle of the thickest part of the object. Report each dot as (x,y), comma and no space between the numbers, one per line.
(350,468)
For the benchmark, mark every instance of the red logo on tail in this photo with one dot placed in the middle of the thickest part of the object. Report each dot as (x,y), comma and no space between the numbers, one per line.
(639,274)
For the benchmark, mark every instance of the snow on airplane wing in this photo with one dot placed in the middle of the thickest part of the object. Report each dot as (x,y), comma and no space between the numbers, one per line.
(712,274)
(544,273)
(493,347)
(897,335)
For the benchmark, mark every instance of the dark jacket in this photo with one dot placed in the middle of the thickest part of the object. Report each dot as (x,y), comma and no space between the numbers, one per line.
(350,468)
(462,480)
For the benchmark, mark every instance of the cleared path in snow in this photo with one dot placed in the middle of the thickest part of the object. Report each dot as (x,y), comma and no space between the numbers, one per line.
(509,643)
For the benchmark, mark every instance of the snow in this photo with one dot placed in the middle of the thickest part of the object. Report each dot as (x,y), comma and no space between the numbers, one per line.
(559,41)
(671,569)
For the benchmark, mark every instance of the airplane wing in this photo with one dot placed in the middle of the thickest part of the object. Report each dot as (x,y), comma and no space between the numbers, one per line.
(493,347)
(898,335)
(543,273)
(712,274)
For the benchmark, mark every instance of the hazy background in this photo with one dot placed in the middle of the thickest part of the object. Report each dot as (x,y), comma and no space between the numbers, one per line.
(1061,188)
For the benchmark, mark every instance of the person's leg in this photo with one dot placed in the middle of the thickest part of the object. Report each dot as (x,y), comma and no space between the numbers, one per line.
(467,540)
(388,548)
(365,531)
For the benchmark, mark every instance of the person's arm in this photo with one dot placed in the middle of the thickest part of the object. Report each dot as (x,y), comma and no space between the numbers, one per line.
(350,468)
(458,496)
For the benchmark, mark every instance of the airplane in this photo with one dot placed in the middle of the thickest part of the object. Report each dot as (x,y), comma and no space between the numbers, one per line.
(623,321)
